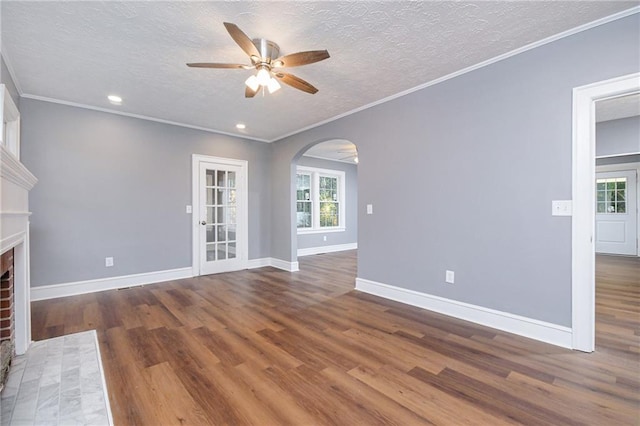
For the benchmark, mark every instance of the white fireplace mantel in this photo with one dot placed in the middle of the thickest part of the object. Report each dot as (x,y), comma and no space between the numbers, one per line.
(15,183)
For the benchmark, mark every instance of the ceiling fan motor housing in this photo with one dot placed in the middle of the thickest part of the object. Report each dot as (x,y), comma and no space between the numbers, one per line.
(268,50)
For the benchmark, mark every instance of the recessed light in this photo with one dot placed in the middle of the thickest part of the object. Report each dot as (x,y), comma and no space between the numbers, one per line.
(114,99)
(241,126)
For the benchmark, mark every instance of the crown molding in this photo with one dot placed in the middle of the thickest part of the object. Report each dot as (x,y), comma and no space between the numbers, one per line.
(483,64)
(138,116)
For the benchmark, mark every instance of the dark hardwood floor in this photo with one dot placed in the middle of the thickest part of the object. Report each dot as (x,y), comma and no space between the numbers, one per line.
(268,347)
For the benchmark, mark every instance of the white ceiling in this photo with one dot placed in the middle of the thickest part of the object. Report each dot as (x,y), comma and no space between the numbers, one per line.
(79,52)
(616,108)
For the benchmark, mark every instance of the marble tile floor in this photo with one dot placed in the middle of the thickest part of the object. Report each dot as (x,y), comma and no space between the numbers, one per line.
(58,381)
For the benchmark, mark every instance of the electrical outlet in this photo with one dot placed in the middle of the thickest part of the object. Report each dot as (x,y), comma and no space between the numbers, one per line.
(108,261)
(369,208)
(449,277)
(188,209)
(324,238)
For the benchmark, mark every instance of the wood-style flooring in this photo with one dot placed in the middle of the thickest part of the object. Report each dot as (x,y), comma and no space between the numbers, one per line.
(268,347)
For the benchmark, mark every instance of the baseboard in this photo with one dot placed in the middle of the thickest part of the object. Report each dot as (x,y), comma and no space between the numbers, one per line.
(523,326)
(259,263)
(111,283)
(284,265)
(327,249)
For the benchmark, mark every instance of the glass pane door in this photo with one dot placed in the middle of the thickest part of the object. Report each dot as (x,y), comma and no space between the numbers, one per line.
(219,233)
(221,215)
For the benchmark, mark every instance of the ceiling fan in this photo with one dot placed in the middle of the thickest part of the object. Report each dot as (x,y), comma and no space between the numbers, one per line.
(265,60)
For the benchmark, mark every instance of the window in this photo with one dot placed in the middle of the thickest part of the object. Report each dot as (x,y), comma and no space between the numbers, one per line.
(10,132)
(319,200)
(611,195)
(303,200)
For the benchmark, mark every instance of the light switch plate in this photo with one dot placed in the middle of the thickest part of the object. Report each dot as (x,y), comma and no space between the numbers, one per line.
(561,207)
(449,277)
(369,208)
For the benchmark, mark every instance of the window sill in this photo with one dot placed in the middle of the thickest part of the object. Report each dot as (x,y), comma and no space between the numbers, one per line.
(320,231)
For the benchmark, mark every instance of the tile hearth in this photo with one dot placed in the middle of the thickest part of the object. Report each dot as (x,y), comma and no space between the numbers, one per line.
(58,381)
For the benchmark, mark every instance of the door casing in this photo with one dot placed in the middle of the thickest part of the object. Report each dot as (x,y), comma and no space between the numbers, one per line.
(583,190)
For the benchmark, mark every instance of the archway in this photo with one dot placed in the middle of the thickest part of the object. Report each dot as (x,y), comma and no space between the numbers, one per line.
(325,199)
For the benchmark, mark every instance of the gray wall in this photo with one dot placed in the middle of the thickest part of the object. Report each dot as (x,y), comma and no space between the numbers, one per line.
(462,174)
(350,235)
(618,136)
(116,186)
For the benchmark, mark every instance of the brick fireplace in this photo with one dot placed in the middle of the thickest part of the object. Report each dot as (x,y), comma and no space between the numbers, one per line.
(15,183)
(7,315)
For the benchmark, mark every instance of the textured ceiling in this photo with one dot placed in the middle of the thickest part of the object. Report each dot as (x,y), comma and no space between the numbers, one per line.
(79,52)
(616,108)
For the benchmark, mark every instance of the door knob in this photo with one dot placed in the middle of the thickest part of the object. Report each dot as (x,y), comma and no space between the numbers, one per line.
(204,222)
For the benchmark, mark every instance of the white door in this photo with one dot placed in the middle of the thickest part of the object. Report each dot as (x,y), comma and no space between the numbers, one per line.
(616,212)
(220,215)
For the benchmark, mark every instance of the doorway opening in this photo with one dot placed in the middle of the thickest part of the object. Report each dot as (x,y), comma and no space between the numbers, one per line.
(325,181)
(584,201)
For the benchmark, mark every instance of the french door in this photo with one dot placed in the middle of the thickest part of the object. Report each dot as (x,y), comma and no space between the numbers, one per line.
(220,215)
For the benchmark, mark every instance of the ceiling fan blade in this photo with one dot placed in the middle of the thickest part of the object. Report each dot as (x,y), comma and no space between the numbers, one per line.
(249,93)
(296,82)
(216,65)
(242,39)
(300,58)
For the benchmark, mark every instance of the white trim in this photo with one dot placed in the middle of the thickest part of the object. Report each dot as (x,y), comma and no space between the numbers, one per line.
(148,278)
(274,263)
(105,391)
(140,116)
(259,263)
(12,73)
(583,189)
(493,60)
(327,249)
(12,241)
(111,283)
(284,265)
(243,210)
(14,171)
(315,173)
(307,231)
(22,301)
(10,123)
(528,327)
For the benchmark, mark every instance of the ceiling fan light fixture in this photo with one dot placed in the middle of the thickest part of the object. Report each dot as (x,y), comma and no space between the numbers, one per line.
(273,85)
(252,83)
(263,76)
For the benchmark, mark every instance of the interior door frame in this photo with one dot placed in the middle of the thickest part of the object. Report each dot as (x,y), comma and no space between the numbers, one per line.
(242,198)
(583,189)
